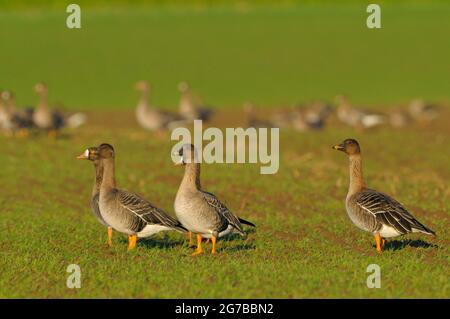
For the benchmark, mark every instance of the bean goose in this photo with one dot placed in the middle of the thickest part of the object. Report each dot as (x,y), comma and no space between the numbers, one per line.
(191,107)
(53,121)
(373,211)
(200,212)
(127,212)
(91,154)
(148,116)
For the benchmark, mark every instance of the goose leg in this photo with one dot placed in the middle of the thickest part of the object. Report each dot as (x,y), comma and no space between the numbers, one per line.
(199,246)
(378,240)
(132,239)
(189,236)
(382,242)
(213,250)
(110,232)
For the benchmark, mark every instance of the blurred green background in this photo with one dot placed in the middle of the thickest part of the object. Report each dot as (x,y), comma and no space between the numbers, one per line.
(272,53)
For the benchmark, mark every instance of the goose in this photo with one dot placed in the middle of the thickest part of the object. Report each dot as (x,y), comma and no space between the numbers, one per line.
(126,212)
(357,117)
(423,112)
(252,120)
(52,121)
(148,116)
(12,120)
(373,211)
(200,212)
(190,105)
(91,154)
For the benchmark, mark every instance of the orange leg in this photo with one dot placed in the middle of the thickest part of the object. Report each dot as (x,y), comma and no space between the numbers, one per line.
(110,233)
(199,249)
(213,250)
(378,241)
(132,240)
(382,242)
(207,241)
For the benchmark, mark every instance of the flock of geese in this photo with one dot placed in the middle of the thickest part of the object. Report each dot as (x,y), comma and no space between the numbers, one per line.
(313,116)
(199,212)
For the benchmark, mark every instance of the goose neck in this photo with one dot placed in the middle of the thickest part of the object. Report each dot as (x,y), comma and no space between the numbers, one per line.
(356,175)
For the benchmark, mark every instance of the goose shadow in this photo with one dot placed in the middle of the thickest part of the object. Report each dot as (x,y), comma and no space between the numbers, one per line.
(401,244)
(158,243)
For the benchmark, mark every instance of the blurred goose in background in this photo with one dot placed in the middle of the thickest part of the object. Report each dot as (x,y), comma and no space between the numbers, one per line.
(92,155)
(310,117)
(13,120)
(53,121)
(200,212)
(126,212)
(190,106)
(423,112)
(148,116)
(373,211)
(399,118)
(356,117)
(252,120)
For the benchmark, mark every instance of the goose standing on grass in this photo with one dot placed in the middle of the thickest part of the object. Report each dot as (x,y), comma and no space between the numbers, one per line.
(423,112)
(373,211)
(127,212)
(202,213)
(356,117)
(190,106)
(148,116)
(91,154)
(12,120)
(53,121)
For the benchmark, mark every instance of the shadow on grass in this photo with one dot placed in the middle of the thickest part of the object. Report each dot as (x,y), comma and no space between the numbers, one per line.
(158,243)
(401,244)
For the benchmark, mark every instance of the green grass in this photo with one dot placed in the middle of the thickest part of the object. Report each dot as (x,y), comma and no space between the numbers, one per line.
(305,245)
(268,54)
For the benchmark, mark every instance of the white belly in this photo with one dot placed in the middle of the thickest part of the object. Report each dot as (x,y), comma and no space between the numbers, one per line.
(387,232)
(150,230)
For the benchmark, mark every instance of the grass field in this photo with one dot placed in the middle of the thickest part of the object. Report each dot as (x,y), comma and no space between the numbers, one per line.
(304,246)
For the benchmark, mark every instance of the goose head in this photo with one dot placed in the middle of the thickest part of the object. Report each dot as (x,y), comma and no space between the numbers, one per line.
(41,88)
(90,154)
(106,151)
(349,147)
(183,87)
(142,86)
(188,154)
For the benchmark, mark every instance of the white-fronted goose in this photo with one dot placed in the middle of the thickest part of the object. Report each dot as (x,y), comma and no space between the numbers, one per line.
(127,212)
(357,117)
(190,106)
(200,212)
(148,116)
(53,121)
(91,154)
(373,211)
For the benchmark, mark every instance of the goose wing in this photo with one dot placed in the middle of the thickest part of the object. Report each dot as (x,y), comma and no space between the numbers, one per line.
(389,212)
(223,211)
(146,211)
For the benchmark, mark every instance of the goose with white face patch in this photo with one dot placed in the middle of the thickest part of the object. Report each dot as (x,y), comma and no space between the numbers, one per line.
(202,213)
(373,211)
(126,212)
(91,154)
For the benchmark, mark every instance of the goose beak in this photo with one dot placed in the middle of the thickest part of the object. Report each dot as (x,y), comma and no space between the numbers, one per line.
(179,162)
(339,147)
(85,155)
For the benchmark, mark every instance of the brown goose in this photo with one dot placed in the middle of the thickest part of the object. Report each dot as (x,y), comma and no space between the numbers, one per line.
(91,154)
(53,121)
(373,211)
(127,212)
(148,116)
(200,212)
(190,106)
(13,120)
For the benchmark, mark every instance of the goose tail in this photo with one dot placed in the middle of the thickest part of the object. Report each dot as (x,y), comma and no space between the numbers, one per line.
(76,120)
(246,222)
